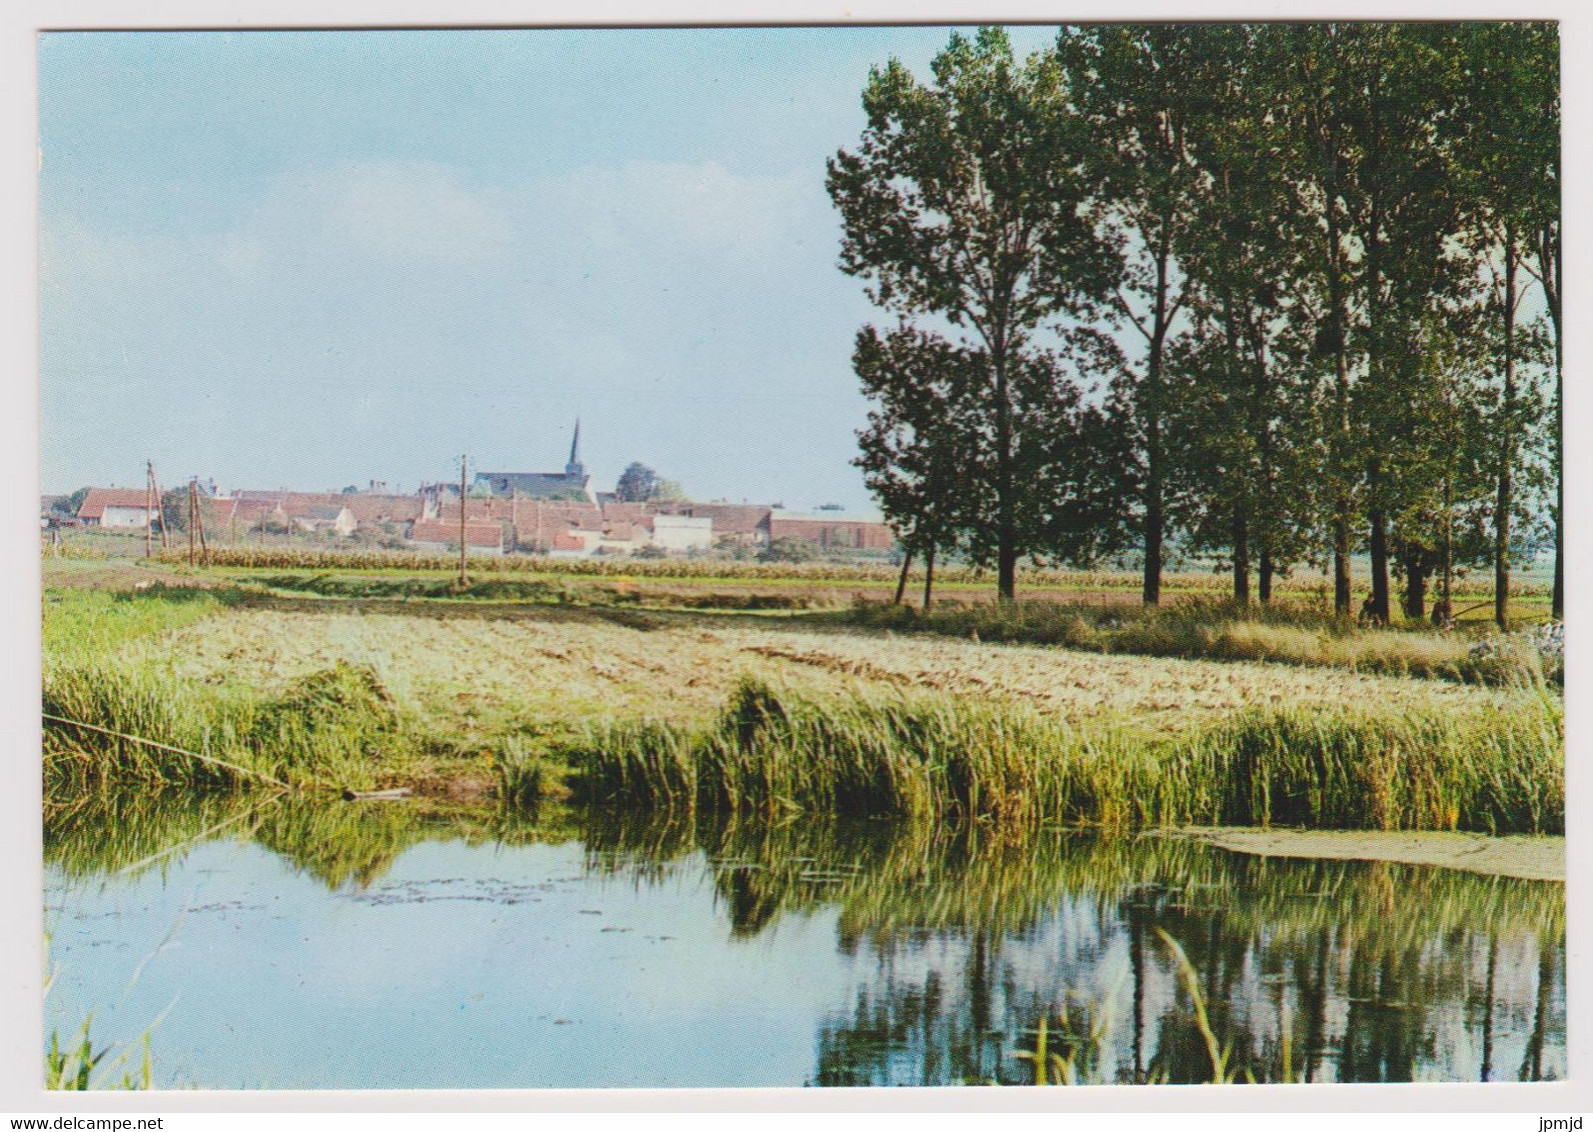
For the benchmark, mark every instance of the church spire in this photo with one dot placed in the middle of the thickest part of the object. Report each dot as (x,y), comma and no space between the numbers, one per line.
(574,468)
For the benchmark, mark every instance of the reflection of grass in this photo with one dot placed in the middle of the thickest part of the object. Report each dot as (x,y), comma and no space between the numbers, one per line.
(777,750)
(892,880)
(109,831)
(338,843)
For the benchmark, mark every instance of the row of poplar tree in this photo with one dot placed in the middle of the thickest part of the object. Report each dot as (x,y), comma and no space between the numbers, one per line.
(1284,293)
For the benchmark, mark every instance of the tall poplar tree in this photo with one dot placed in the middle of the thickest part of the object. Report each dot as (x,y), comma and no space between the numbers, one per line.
(1138,88)
(961,208)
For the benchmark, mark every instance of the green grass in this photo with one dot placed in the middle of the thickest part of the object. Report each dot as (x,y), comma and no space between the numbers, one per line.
(529,589)
(81,625)
(1215,630)
(775,751)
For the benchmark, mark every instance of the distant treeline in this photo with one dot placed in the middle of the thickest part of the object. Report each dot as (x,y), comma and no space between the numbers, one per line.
(1284,293)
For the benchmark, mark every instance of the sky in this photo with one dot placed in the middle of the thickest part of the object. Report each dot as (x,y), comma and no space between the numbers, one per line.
(314,259)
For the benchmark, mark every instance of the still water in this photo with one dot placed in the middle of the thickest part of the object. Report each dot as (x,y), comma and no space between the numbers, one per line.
(284,944)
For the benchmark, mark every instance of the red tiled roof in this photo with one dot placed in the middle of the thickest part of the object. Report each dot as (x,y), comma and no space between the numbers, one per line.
(537,523)
(249,510)
(624,512)
(478,510)
(99,498)
(476,534)
(568,542)
(374,508)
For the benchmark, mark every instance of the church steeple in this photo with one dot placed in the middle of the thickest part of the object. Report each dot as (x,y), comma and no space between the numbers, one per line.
(574,468)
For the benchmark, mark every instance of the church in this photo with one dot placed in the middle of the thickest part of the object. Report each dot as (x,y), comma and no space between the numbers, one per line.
(572,484)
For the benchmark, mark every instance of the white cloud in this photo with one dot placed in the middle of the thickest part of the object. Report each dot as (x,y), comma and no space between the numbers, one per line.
(397,214)
(650,208)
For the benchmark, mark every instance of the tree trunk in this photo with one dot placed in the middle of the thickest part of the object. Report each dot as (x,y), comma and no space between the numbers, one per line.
(1549,264)
(1241,558)
(1341,558)
(901,582)
(1006,526)
(1416,570)
(1377,512)
(1151,407)
(1444,611)
(1507,405)
(929,574)
(1338,327)
(1378,606)
(1261,424)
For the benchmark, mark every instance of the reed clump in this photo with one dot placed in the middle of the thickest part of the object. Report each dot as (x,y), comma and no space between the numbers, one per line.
(117,722)
(775,750)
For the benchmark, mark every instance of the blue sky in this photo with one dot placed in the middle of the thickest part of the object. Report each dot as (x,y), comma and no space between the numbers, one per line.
(317,258)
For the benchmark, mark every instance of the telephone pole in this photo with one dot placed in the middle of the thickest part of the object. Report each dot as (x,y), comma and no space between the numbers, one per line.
(464,574)
(193,520)
(149,507)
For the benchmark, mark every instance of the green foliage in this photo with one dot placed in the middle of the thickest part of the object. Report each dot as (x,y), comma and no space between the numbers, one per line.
(74,1066)
(789,550)
(964,204)
(1292,254)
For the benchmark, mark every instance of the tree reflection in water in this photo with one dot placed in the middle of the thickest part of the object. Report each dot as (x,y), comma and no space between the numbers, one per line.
(963,940)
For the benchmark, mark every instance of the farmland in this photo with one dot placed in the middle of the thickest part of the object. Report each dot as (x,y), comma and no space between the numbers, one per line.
(297,677)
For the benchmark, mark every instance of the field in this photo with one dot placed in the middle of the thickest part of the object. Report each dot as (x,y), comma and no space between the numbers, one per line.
(528,686)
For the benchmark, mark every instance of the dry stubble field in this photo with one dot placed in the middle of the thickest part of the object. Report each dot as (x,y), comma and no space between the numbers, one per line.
(473,672)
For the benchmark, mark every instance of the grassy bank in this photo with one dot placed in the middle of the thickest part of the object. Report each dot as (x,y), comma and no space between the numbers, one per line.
(1214,630)
(775,751)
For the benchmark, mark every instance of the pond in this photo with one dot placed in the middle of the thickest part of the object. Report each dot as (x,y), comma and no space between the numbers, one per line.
(286,943)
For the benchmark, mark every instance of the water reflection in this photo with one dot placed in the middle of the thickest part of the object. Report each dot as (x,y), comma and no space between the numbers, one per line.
(949,947)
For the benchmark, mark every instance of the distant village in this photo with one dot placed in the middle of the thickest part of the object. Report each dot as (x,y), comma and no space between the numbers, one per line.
(505,512)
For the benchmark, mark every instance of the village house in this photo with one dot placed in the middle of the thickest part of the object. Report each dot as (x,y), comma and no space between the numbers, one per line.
(563,529)
(480,538)
(682,533)
(744,523)
(117,508)
(832,534)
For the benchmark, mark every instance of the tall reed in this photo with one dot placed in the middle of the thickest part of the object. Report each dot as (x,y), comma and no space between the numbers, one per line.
(776,750)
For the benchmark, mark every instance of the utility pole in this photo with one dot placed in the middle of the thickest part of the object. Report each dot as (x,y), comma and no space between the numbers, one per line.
(464,574)
(199,521)
(149,507)
(193,515)
(160,513)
